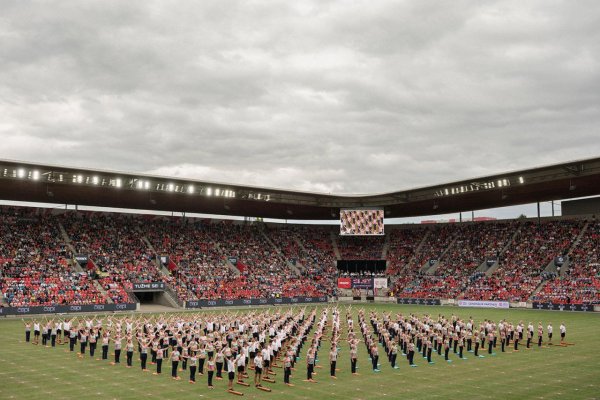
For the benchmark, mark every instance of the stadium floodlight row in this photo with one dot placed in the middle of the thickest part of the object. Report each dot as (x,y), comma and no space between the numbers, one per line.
(30,182)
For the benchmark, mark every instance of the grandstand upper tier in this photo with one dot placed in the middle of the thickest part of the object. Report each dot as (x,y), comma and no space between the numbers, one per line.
(21,181)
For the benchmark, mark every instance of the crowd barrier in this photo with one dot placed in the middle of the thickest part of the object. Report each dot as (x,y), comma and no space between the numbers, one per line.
(563,307)
(32,310)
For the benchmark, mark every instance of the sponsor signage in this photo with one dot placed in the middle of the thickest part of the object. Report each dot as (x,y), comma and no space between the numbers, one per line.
(362,283)
(66,309)
(563,307)
(253,302)
(380,283)
(344,283)
(483,304)
(559,261)
(423,302)
(164,260)
(82,259)
(151,286)
(490,261)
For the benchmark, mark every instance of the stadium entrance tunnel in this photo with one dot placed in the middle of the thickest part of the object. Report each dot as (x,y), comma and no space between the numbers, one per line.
(158,300)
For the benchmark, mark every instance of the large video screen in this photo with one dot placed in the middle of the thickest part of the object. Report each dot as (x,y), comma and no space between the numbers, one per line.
(361,222)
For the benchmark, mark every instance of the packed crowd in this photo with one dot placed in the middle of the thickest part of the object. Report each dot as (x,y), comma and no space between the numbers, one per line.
(228,260)
(36,270)
(521,266)
(579,282)
(114,244)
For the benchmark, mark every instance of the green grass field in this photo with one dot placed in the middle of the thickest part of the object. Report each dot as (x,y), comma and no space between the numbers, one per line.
(35,372)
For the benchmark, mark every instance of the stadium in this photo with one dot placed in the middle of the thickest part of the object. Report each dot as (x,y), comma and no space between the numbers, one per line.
(214,243)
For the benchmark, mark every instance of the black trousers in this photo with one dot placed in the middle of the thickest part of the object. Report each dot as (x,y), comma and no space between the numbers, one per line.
(429,355)
(502,343)
(53,340)
(92,349)
(460,352)
(476,349)
(193,373)
(411,356)
(219,369)
(82,347)
(539,341)
(27,336)
(143,359)
(490,344)
(129,358)
(105,352)
(201,366)
(286,374)
(353,365)
(309,371)
(393,359)
(332,369)
(210,377)
(446,353)
(469,343)
(174,366)
(72,344)
(117,356)
(375,360)
(159,365)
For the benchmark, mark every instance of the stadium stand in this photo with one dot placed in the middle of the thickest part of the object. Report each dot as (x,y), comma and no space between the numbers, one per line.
(232,260)
(35,267)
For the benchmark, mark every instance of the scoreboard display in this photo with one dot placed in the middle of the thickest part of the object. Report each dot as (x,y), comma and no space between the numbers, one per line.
(361,222)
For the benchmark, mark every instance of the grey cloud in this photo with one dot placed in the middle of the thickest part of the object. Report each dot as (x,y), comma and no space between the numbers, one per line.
(315,95)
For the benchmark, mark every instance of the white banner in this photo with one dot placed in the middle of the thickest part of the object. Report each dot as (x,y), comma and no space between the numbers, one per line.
(380,283)
(483,304)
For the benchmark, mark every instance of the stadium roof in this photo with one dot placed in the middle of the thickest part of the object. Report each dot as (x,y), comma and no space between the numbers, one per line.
(22,181)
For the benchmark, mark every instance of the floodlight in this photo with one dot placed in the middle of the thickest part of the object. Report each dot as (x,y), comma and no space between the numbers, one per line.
(21,173)
(35,175)
(191,189)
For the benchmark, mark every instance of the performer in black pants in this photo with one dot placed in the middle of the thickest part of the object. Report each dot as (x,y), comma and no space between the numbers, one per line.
(143,355)
(332,361)
(129,348)
(375,357)
(411,354)
(287,370)
(353,359)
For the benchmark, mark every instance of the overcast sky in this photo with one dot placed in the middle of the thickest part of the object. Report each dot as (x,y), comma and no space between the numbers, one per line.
(332,96)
